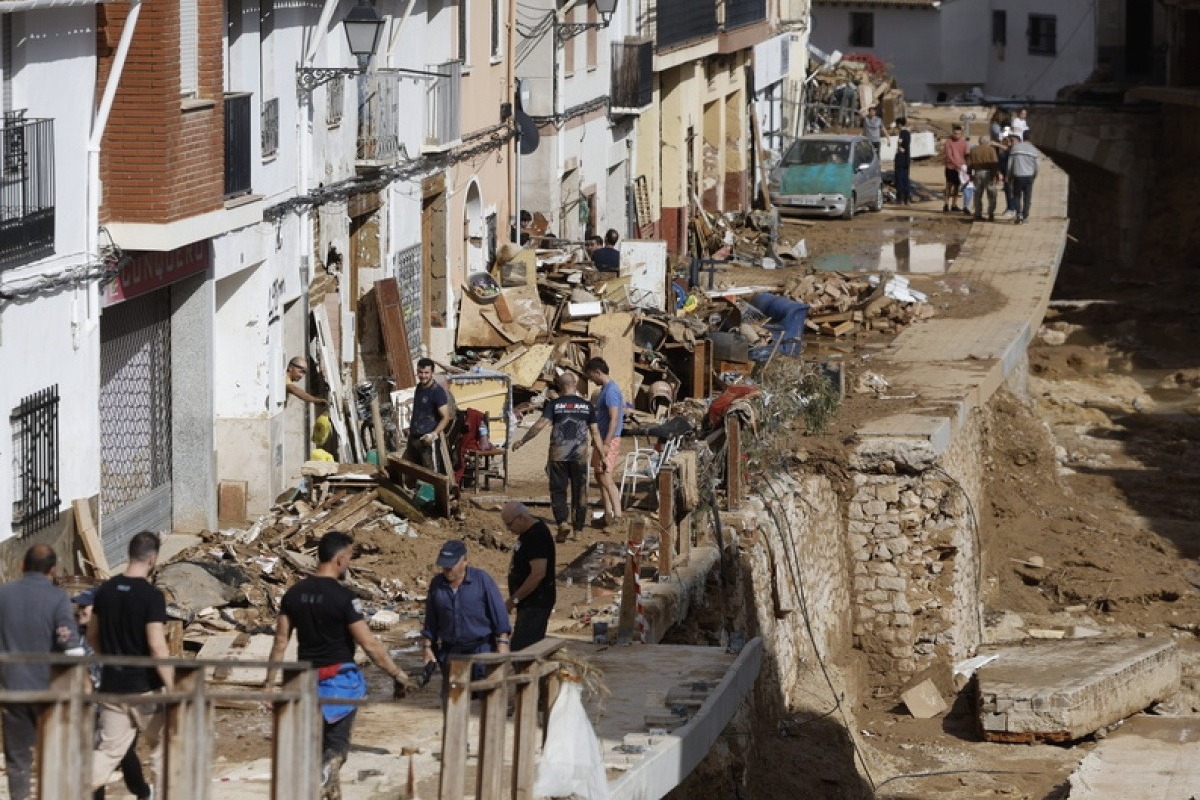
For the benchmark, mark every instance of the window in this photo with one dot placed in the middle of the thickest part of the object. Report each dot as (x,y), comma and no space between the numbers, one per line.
(335,96)
(862,29)
(35,461)
(464,14)
(1000,28)
(495,29)
(189,48)
(1043,30)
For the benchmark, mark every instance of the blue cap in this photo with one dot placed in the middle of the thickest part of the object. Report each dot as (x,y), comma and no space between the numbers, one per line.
(451,553)
(85,598)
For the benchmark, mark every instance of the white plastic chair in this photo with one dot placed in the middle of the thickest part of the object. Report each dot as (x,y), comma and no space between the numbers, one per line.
(644,464)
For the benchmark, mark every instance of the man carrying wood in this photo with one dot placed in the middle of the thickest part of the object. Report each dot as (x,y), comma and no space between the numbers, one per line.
(430,418)
(531,590)
(328,621)
(610,419)
(571,420)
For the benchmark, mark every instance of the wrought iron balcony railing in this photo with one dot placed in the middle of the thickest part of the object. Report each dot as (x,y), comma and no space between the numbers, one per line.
(26,189)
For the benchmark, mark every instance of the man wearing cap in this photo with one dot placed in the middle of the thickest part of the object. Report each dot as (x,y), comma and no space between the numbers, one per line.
(464,612)
(328,621)
(35,617)
(531,590)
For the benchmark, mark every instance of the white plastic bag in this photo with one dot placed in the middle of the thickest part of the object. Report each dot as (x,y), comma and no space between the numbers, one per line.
(571,764)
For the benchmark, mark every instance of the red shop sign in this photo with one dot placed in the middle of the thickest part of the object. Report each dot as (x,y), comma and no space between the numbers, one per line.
(150,270)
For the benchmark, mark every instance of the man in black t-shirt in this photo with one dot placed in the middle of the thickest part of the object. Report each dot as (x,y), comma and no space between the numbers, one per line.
(573,423)
(328,621)
(430,417)
(608,257)
(128,619)
(531,590)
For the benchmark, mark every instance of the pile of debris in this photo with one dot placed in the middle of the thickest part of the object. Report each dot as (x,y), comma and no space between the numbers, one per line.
(842,304)
(838,94)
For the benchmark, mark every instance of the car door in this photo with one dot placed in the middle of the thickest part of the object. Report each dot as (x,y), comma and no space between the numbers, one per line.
(864,186)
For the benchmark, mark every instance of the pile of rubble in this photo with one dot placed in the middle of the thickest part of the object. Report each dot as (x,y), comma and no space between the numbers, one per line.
(842,304)
(839,94)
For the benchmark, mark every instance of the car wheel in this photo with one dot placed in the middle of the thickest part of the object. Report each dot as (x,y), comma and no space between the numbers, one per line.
(851,207)
(878,206)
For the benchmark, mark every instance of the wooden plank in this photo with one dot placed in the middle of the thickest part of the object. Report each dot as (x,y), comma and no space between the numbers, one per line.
(528,368)
(391,495)
(395,334)
(453,781)
(443,485)
(222,646)
(89,538)
(524,732)
(493,713)
(614,335)
(733,462)
(627,617)
(666,521)
(345,514)
(473,329)
(702,357)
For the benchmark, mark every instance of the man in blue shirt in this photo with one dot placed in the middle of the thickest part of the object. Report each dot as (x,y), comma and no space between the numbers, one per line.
(464,612)
(430,417)
(610,419)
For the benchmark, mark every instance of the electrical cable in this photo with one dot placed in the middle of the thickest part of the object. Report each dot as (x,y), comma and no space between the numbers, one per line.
(978,546)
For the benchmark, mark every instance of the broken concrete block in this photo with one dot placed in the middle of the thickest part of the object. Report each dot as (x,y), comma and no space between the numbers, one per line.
(1046,633)
(924,701)
(1061,691)
(195,587)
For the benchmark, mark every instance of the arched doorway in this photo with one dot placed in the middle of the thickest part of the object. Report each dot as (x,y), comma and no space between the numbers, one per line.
(474,239)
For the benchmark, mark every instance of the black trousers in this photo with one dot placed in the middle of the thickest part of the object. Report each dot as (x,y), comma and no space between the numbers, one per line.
(335,737)
(131,771)
(1023,194)
(20,737)
(903,182)
(564,476)
(530,627)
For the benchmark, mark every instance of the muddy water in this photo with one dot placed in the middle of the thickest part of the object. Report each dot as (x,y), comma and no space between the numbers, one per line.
(906,244)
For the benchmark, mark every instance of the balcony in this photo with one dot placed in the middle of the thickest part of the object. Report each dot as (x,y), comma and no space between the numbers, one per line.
(378,119)
(632,76)
(26,190)
(237,144)
(683,21)
(739,13)
(442,98)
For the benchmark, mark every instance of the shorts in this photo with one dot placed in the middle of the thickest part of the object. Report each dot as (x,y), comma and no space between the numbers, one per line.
(952,177)
(609,458)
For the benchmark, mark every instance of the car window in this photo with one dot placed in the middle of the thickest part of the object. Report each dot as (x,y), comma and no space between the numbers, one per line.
(808,151)
(865,153)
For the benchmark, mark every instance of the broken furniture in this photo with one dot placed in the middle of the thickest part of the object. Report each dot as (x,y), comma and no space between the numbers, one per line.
(644,464)
(484,398)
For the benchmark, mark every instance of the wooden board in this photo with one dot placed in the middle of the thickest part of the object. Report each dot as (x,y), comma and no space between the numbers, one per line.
(395,334)
(89,538)
(528,368)
(645,262)
(443,485)
(614,334)
(473,329)
(331,371)
(220,647)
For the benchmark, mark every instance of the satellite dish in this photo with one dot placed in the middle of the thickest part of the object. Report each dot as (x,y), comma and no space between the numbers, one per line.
(527,132)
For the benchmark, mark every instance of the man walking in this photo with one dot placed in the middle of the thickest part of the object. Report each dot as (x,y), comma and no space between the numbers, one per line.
(328,621)
(430,417)
(1022,170)
(954,159)
(984,162)
(464,612)
(572,422)
(872,128)
(610,420)
(531,590)
(903,163)
(128,619)
(35,617)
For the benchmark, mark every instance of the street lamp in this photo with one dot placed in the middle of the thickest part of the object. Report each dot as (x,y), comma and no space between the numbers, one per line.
(606,8)
(363,27)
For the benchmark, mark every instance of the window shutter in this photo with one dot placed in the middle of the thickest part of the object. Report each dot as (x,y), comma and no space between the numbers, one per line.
(189,48)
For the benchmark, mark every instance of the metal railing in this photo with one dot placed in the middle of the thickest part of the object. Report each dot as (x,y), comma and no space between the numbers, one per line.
(26,189)
(680,21)
(379,118)
(632,75)
(744,12)
(64,743)
(237,144)
(270,127)
(35,461)
(442,98)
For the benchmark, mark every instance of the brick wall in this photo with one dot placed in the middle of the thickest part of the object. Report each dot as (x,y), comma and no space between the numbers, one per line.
(160,162)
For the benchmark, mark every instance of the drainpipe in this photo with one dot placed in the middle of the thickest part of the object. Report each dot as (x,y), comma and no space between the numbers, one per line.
(100,122)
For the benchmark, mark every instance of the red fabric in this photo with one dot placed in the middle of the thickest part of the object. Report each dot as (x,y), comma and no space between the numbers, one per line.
(468,441)
(720,406)
(325,673)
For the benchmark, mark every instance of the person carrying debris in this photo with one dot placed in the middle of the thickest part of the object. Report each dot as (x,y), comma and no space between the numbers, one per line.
(531,590)
(610,419)
(984,163)
(572,422)
(328,621)
(430,417)
(954,159)
(464,613)
(129,618)
(35,617)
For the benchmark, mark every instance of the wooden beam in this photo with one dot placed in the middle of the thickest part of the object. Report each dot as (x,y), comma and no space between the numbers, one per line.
(296,743)
(443,485)
(524,731)
(345,516)
(89,538)
(733,461)
(666,521)
(453,781)
(493,715)
(395,334)
(627,617)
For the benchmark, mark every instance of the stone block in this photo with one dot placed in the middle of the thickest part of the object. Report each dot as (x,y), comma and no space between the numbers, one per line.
(1064,690)
(885,568)
(902,620)
(874,508)
(888,492)
(864,584)
(892,584)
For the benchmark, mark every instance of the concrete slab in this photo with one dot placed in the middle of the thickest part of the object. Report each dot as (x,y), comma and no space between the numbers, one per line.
(1146,757)
(1060,691)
